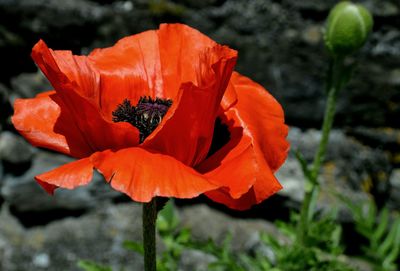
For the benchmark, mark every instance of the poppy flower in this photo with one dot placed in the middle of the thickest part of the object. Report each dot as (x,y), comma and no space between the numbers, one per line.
(160,113)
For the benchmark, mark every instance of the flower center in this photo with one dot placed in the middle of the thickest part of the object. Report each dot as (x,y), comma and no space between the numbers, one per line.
(145,116)
(220,138)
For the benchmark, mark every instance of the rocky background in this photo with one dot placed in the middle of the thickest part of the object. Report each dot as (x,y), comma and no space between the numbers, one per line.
(280,46)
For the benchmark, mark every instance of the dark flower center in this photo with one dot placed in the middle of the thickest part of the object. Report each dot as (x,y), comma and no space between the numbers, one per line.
(220,138)
(145,116)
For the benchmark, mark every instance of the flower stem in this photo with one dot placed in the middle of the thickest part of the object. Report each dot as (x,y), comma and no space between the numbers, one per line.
(335,82)
(149,234)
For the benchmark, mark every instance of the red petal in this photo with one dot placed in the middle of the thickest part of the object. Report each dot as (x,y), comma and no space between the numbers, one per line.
(44,124)
(65,70)
(143,175)
(130,69)
(234,166)
(180,50)
(263,119)
(100,133)
(264,184)
(71,175)
(186,131)
(264,131)
(230,98)
(261,190)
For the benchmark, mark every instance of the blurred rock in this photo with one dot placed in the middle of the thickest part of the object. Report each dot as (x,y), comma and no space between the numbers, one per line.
(24,194)
(292,179)
(279,45)
(206,223)
(5,107)
(14,149)
(97,236)
(395,191)
(383,139)
(351,169)
(28,85)
(360,166)
(62,24)
(192,259)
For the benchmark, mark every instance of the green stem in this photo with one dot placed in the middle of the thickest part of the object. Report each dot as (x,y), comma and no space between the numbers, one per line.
(334,83)
(149,234)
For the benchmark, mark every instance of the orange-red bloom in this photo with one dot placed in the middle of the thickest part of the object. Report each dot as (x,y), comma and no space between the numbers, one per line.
(173,159)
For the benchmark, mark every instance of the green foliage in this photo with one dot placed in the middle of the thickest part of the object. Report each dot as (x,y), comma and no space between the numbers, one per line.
(383,235)
(167,219)
(304,165)
(325,234)
(92,266)
(299,258)
(175,240)
(134,246)
(320,252)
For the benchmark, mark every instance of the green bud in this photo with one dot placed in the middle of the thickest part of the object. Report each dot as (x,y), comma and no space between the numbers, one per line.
(347,28)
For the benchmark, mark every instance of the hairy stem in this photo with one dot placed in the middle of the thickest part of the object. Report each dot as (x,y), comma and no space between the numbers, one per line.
(334,83)
(149,234)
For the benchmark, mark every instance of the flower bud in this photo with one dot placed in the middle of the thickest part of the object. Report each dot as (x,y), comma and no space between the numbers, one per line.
(347,28)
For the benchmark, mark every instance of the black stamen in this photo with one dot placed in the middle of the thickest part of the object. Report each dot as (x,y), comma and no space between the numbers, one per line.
(125,112)
(145,116)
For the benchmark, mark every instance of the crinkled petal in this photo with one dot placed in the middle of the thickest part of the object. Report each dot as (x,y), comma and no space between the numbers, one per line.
(100,133)
(234,166)
(264,133)
(186,131)
(62,67)
(263,119)
(258,193)
(71,175)
(143,175)
(230,98)
(181,48)
(128,70)
(45,122)
(262,180)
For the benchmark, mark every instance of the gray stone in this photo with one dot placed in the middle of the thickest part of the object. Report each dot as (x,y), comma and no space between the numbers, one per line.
(5,107)
(280,45)
(206,223)
(1,173)
(14,149)
(350,169)
(28,85)
(395,179)
(195,260)
(97,236)
(59,23)
(24,193)
(292,180)
(357,164)
(395,189)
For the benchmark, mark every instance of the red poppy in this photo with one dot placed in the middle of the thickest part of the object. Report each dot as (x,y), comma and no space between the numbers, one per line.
(160,113)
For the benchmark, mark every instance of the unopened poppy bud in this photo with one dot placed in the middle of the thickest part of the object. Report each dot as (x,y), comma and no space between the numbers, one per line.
(347,28)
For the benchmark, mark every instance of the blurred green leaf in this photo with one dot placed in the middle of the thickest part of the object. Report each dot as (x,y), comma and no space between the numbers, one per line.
(134,246)
(303,163)
(167,219)
(382,226)
(92,266)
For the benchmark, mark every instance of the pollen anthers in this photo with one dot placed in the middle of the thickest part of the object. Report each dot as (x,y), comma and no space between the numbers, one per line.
(145,116)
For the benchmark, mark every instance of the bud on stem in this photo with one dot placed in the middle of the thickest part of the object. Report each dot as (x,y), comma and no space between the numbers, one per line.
(347,28)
